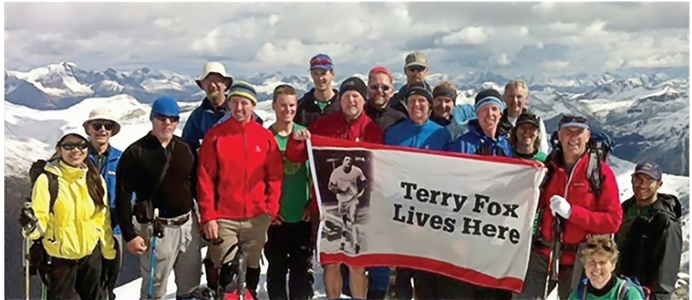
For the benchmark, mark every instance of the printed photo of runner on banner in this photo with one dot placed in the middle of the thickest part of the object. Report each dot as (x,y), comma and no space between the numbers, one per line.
(463,216)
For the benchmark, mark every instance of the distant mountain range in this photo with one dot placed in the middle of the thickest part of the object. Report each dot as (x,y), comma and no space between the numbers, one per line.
(645,111)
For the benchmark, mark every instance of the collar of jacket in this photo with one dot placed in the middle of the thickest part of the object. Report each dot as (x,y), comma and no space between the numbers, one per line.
(440,120)
(359,119)
(475,127)
(217,112)
(233,123)
(371,110)
(310,95)
(505,126)
(665,203)
(68,173)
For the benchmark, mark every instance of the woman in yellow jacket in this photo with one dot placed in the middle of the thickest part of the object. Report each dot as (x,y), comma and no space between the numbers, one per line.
(78,237)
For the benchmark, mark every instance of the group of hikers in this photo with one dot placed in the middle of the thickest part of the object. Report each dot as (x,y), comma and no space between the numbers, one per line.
(233,185)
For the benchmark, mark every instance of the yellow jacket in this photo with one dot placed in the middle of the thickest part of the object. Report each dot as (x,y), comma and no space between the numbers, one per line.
(76,226)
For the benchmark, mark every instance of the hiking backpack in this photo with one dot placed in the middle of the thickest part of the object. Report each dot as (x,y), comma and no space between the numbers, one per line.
(38,258)
(644,292)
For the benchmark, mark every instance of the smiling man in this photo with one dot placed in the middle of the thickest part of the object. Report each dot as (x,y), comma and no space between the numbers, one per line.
(573,209)
(322,98)
(516,96)
(288,244)
(100,127)
(415,68)
(650,238)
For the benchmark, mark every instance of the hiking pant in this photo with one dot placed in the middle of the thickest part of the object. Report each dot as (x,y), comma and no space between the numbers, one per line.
(178,251)
(234,231)
(403,290)
(534,283)
(288,248)
(81,275)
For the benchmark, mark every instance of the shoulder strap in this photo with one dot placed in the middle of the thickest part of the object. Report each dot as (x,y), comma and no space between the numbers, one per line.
(622,291)
(169,154)
(52,189)
(593,171)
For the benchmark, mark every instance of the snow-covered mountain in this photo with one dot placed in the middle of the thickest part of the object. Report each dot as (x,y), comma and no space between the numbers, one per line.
(31,134)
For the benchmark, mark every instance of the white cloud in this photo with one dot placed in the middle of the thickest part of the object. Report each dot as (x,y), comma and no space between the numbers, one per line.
(269,37)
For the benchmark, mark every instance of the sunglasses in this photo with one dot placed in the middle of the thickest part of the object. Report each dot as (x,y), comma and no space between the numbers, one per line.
(108,125)
(382,87)
(605,247)
(72,146)
(573,119)
(320,62)
(163,118)
(416,69)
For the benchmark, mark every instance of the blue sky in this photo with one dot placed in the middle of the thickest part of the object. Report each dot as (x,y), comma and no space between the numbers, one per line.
(507,38)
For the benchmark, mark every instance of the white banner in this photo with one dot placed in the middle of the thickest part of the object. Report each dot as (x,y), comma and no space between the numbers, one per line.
(463,216)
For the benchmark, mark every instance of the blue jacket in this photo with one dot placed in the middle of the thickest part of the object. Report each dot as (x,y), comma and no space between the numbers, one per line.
(429,135)
(457,124)
(108,174)
(201,119)
(472,141)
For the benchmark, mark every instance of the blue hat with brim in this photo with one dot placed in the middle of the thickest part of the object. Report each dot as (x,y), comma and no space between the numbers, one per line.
(165,106)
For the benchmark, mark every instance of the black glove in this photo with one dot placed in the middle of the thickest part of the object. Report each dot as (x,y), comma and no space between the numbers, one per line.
(27,218)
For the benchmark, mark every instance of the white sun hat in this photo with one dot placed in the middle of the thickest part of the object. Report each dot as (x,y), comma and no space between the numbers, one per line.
(72,130)
(105,114)
(214,67)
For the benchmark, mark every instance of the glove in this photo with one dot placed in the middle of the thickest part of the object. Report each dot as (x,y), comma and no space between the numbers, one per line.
(27,217)
(560,206)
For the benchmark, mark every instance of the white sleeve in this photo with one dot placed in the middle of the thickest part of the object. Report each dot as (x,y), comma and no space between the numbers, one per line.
(545,146)
(361,176)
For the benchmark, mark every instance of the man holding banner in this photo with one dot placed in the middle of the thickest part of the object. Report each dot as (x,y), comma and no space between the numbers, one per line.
(422,133)
(350,124)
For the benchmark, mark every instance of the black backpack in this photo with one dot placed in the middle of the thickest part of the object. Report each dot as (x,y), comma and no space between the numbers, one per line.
(599,147)
(38,259)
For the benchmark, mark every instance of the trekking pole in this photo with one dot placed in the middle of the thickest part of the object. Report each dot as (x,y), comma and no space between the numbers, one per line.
(555,255)
(25,262)
(156,232)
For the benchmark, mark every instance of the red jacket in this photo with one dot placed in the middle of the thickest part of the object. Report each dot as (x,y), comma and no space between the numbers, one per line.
(240,172)
(589,215)
(334,125)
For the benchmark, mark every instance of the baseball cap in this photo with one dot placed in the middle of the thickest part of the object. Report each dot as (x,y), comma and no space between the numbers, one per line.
(573,121)
(649,168)
(528,118)
(380,69)
(72,130)
(321,61)
(416,59)
(165,106)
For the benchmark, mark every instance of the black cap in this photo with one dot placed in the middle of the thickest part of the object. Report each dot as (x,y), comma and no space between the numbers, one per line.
(529,118)
(418,88)
(353,84)
(649,168)
(487,93)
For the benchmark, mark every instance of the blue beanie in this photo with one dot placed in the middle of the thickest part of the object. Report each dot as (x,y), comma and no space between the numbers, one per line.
(489,96)
(165,106)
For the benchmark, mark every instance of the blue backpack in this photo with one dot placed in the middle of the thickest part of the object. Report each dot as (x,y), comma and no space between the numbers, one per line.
(644,292)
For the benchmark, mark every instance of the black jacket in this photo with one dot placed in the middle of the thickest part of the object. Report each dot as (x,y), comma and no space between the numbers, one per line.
(308,111)
(138,171)
(653,245)
(385,118)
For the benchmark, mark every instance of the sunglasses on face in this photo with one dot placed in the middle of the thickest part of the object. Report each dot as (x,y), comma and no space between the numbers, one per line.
(97,125)
(163,118)
(382,87)
(416,69)
(573,119)
(320,62)
(72,146)
(594,246)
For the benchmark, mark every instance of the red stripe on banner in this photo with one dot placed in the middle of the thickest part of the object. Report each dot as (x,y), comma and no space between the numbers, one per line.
(321,141)
(425,264)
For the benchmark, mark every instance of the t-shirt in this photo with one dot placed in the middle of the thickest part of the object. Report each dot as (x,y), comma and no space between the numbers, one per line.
(346,182)
(321,104)
(295,190)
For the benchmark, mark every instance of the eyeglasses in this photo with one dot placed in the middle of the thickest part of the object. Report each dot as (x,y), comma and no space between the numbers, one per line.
(163,118)
(320,62)
(573,119)
(72,146)
(382,87)
(416,69)
(108,125)
(605,247)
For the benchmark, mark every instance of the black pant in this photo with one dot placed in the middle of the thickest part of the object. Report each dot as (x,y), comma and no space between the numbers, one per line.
(425,284)
(288,248)
(82,275)
(450,288)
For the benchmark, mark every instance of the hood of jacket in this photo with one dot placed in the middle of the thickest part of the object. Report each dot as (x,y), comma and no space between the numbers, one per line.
(66,172)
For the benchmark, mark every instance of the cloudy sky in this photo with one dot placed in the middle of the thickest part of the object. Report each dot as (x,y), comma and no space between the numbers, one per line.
(507,38)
